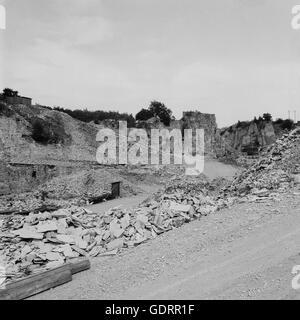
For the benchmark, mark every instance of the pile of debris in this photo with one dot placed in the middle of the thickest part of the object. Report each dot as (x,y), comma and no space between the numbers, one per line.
(277,170)
(246,161)
(45,240)
(20,202)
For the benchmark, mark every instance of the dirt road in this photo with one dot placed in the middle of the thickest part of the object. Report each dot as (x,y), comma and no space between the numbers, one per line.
(246,252)
(214,169)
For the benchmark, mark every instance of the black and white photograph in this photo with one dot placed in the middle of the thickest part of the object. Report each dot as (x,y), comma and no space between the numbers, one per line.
(149,153)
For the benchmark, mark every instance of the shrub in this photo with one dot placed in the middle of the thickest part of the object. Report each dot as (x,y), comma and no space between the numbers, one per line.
(285,124)
(5,110)
(45,132)
(40,133)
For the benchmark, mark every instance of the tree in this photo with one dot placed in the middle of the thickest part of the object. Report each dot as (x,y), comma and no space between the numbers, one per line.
(7,92)
(279,121)
(98,115)
(144,115)
(156,109)
(131,121)
(287,124)
(267,117)
(159,110)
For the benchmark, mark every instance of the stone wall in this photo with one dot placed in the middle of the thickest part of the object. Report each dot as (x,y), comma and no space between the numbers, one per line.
(19,177)
(18,100)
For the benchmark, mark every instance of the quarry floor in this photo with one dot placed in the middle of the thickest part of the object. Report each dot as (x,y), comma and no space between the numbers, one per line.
(245,252)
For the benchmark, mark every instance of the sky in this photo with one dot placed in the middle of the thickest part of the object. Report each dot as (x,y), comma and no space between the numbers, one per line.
(235,58)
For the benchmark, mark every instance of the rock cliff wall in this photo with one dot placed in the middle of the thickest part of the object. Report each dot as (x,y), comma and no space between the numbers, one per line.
(198,120)
(245,135)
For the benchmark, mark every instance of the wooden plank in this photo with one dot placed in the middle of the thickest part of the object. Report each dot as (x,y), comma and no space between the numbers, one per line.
(80,264)
(35,284)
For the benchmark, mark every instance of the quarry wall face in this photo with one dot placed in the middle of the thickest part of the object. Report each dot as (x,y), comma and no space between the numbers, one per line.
(17,145)
(240,136)
(25,164)
(198,120)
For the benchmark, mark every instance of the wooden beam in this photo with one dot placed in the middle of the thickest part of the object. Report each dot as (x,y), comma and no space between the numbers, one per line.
(35,284)
(79,264)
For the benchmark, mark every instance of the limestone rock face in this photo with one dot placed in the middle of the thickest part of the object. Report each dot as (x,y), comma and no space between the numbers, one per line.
(25,163)
(17,145)
(246,134)
(198,120)
(190,120)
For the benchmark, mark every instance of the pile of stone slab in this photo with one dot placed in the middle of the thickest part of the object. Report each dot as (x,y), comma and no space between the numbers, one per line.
(277,170)
(41,241)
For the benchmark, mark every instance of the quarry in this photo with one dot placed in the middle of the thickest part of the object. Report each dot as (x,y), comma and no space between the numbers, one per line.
(62,212)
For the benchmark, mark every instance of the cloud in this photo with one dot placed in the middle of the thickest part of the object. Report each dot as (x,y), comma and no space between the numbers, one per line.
(233,57)
(203,75)
(88,30)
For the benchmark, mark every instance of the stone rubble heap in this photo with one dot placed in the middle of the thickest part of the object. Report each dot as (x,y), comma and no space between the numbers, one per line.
(276,171)
(46,240)
(20,202)
(32,201)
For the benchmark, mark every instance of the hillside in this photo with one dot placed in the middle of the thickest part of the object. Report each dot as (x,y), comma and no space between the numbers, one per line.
(36,135)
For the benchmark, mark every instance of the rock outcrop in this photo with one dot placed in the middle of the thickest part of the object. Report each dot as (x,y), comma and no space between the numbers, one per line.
(198,120)
(245,136)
